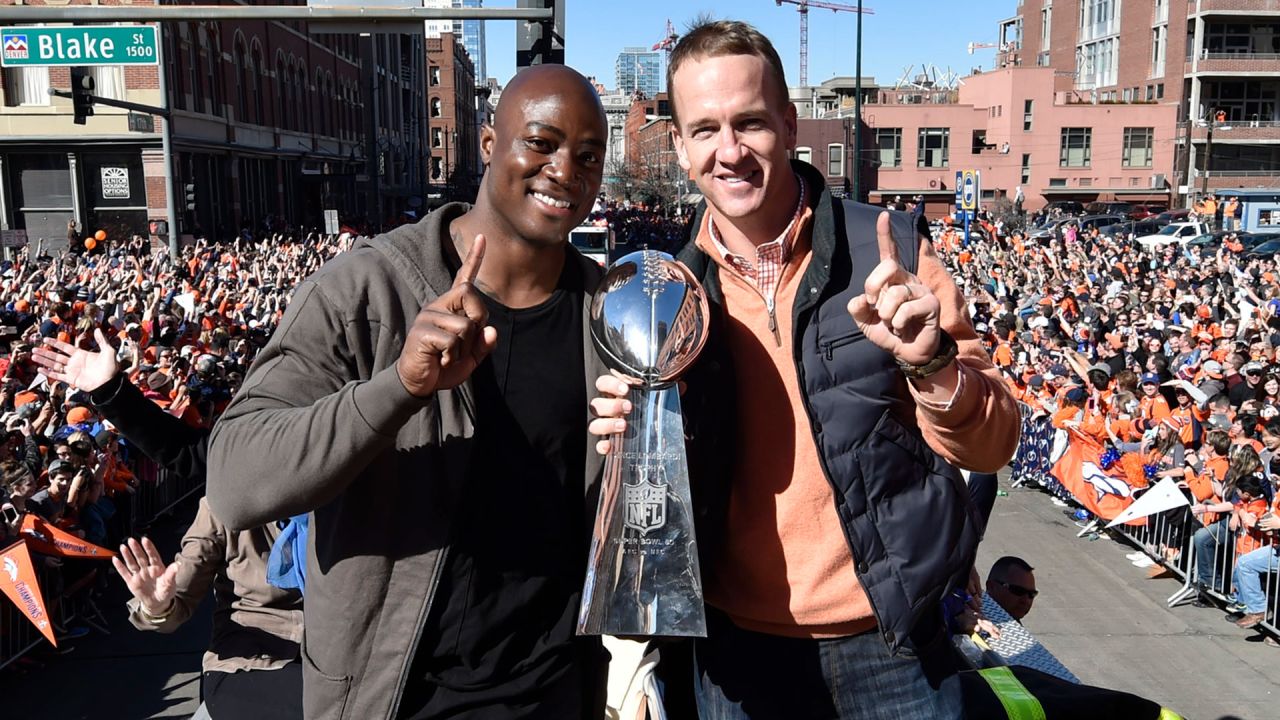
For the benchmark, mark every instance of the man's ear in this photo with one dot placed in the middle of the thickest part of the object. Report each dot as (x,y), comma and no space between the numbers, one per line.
(487,138)
(682,153)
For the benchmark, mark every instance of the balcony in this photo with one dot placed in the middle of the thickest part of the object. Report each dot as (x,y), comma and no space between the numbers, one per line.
(1241,7)
(1245,131)
(1230,63)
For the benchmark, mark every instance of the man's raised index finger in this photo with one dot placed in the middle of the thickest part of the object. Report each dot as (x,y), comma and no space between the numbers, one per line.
(471,266)
(884,238)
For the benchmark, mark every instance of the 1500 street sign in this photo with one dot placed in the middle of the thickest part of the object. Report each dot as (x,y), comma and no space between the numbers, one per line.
(78,45)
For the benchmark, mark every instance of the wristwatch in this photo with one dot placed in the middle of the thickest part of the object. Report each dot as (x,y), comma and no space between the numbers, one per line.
(942,357)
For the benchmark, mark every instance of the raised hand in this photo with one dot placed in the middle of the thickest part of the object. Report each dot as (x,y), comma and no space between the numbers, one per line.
(150,581)
(896,311)
(449,338)
(79,368)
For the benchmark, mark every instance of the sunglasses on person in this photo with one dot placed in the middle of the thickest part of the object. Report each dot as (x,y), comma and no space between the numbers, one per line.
(1020,591)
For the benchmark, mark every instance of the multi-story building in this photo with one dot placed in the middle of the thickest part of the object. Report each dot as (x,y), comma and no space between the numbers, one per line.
(834,94)
(1013,127)
(469,32)
(452,114)
(652,172)
(639,70)
(617,107)
(1201,56)
(270,126)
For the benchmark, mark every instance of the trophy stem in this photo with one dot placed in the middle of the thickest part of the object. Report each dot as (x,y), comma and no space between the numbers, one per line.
(643,576)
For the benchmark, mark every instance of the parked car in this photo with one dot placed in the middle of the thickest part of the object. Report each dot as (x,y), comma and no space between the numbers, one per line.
(1088,222)
(1269,247)
(1051,229)
(1142,211)
(1109,208)
(1121,229)
(1174,234)
(1210,240)
(1254,240)
(1068,207)
(1172,216)
(592,241)
(1150,226)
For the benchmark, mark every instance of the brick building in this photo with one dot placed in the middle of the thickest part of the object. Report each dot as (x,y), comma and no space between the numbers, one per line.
(1200,56)
(455,169)
(270,126)
(1012,126)
(652,172)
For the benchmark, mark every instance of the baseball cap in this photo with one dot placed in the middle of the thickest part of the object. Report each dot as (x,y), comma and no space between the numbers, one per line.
(1150,379)
(60,464)
(1251,368)
(1102,367)
(1212,368)
(78,415)
(1076,394)
(1035,381)
(158,381)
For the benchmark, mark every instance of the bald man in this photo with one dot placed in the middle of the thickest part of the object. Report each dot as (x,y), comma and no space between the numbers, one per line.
(425,398)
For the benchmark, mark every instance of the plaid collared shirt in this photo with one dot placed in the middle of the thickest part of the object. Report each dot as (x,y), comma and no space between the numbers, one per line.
(771,257)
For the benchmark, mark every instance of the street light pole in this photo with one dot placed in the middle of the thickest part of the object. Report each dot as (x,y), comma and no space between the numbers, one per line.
(857,113)
(1208,157)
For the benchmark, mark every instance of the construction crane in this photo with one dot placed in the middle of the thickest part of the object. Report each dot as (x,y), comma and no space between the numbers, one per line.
(669,39)
(803,6)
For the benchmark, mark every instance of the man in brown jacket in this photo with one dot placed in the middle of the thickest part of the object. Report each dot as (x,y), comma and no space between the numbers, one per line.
(425,400)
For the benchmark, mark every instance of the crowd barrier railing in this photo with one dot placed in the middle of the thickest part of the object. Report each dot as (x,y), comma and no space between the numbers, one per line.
(1173,539)
(69,591)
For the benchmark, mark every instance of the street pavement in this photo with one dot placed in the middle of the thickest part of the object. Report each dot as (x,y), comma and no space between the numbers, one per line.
(127,675)
(1096,612)
(1107,622)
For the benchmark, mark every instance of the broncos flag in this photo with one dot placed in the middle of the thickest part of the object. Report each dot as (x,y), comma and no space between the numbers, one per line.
(1105,493)
(18,581)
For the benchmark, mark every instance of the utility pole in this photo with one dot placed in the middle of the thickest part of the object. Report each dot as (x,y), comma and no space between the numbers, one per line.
(857,113)
(1215,117)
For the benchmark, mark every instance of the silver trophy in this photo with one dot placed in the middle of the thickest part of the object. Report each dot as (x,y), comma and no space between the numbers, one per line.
(649,321)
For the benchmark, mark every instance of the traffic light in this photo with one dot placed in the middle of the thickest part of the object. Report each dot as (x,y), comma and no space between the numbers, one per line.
(82,87)
(541,43)
(190,189)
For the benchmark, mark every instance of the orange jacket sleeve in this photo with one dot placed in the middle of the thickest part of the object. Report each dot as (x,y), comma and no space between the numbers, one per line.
(979,429)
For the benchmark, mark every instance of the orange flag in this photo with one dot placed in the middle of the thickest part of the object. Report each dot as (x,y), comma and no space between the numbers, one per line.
(50,540)
(18,580)
(1103,493)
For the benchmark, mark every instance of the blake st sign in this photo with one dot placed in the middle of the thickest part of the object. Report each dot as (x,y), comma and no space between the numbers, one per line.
(79,45)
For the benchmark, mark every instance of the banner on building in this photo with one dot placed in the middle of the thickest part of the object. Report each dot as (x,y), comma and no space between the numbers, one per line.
(18,581)
(50,540)
(115,183)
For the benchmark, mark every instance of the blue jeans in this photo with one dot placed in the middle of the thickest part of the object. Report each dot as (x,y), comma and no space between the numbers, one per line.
(742,675)
(1248,576)
(1211,555)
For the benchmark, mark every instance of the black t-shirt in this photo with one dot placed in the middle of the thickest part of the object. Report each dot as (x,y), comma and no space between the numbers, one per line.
(499,641)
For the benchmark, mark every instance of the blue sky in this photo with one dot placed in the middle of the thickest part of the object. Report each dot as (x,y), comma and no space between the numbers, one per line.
(900,33)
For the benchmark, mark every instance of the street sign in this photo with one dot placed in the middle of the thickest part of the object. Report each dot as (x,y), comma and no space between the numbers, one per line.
(959,190)
(13,238)
(330,222)
(141,123)
(79,45)
(970,186)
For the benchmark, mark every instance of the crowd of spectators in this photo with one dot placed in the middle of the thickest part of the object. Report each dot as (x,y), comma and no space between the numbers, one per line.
(1165,356)
(638,226)
(184,332)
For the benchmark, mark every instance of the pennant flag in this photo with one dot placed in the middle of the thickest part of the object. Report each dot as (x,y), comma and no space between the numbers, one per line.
(1104,493)
(186,301)
(50,540)
(18,580)
(1162,496)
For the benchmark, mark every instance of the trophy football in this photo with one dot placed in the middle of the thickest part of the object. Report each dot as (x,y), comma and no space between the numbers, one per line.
(648,321)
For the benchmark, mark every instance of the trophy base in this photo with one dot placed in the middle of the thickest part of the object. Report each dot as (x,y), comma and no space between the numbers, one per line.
(642,575)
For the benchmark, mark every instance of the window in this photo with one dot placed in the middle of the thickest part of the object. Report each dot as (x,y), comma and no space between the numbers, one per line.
(1057,182)
(1046,26)
(26,86)
(835,160)
(889,146)
(437,168)
(1128,95)
(1151,93)
(1137,146)
(435,75)
(1159,46)
(1027,105)
(1074,148)
(933,147)
(437,137)
(436,107)
(1159,91)
(1026,168)
(804,154)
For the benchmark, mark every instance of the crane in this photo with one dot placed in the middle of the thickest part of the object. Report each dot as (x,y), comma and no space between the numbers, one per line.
(669,39)
(803,7)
